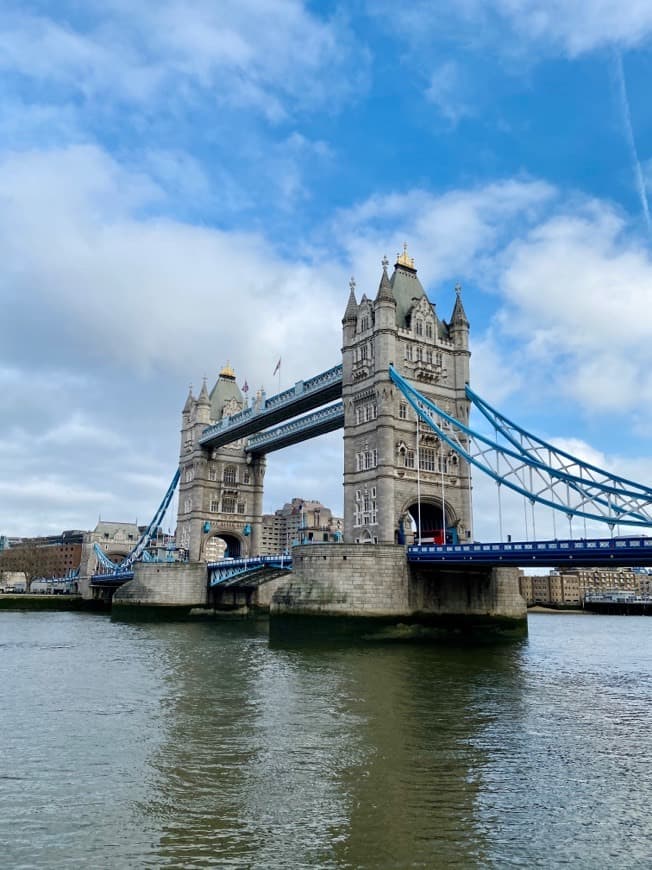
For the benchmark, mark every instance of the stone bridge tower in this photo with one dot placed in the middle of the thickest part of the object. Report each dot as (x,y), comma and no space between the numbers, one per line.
(401,326)
(220,490)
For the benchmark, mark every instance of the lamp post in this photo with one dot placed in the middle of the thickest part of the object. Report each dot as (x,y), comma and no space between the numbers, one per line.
(247,533)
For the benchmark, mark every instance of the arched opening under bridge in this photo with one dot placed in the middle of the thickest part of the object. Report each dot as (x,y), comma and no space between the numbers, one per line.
(222,545)
(434,530)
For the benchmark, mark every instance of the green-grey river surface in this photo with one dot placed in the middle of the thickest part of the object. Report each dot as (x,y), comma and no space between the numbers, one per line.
(201,745)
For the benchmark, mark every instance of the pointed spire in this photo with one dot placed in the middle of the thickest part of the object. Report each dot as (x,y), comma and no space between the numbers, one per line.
(187,408)
(385,292)
(459,318)
(351,312)
(204,398)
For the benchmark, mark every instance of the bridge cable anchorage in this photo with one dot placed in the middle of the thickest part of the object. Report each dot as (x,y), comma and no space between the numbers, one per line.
(563,482)
(139,552)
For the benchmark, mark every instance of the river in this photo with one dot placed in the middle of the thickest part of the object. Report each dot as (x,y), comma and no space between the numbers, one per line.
(194,745)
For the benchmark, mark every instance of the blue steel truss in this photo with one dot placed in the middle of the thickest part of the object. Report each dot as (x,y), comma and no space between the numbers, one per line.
(564,482)
(139,551)
(240,569)
(531,445)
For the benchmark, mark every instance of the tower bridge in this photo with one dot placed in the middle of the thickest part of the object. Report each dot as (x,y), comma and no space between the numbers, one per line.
(403,399)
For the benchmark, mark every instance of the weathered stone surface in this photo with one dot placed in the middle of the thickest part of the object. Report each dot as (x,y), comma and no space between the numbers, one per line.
(376,581)
(174,584)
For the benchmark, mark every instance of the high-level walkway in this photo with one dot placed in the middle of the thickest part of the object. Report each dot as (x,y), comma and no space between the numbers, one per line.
(304,396)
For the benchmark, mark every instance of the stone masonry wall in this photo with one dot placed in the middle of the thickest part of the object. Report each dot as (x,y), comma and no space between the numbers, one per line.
(346,580)
(470,591)
(359,580)
(178,584)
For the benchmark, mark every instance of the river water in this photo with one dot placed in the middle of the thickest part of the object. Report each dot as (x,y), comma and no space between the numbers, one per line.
(197,745)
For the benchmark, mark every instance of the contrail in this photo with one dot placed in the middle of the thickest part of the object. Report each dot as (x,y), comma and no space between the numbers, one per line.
(627,116)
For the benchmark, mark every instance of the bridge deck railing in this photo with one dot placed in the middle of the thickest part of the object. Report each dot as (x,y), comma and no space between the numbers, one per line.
(586,551)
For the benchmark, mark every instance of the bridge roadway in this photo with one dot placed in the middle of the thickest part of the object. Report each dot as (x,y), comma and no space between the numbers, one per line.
(304,396)
(590,552)
(234,571)
(593,552)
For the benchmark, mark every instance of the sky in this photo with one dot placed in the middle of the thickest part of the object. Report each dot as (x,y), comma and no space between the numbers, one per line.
(184,184)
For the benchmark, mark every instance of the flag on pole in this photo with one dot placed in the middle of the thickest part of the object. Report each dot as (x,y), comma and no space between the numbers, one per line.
(277,367)
(245,387)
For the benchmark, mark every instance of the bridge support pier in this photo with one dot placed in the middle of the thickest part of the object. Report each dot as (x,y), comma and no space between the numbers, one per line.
(171,589)
(377,588)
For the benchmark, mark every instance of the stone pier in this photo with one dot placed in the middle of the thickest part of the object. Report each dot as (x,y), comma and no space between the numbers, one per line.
(171,589)
(376,584)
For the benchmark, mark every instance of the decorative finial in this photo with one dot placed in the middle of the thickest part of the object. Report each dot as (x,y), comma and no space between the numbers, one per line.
(227,371)
(384,263)
(352,284)
(458,290)
(404,260)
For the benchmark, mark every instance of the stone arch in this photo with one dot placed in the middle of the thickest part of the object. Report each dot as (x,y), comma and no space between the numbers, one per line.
(432,530)
(221,544)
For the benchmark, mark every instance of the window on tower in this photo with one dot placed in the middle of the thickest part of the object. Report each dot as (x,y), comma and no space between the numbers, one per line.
(228,504)
(230,474)
(427,459)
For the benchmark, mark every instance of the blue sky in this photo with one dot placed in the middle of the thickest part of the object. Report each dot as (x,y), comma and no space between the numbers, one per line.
(186,183)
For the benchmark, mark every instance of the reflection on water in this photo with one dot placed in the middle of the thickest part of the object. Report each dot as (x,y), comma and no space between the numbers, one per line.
(200,745)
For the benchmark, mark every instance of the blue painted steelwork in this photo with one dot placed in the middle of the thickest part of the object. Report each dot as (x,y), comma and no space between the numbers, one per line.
(304,396)
(531,445)
(574,495)
(589,552)
(318,423)
(70,575)
(229,569)
(116,578)
(120,569)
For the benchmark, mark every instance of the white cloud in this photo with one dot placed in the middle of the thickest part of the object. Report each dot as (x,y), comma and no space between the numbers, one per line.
(578,26)
(577,289)
(452,234)
(448,92)
(95,281)
(571,27)
(266,55)
(119,284)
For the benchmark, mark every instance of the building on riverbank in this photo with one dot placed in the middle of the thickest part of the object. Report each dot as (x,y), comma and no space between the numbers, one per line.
(568,588)
(300,521)
(43,556)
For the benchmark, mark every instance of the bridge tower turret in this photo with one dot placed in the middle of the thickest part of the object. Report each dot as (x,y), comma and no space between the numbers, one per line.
(220,490)
(383,464)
